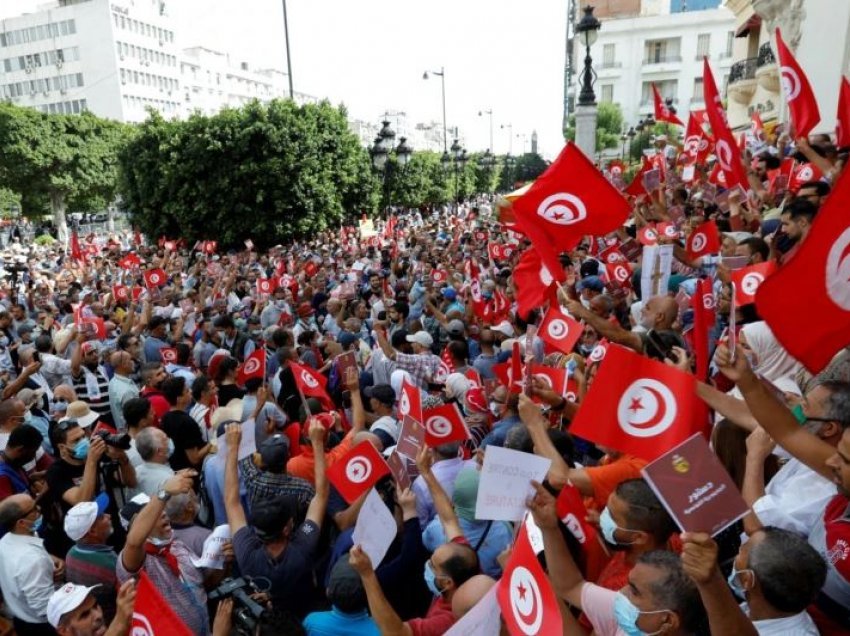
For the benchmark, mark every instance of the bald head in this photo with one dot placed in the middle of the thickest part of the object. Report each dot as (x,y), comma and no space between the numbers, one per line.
(122,362)
(659,313)
(13,508)
(470,593)
(373,439)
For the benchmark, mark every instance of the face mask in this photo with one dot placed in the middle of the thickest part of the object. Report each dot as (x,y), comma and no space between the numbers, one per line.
(431,579)
(159,542)
(798,414)
(81,450)
(737,589)
(496,409)
(487,294)
(607,525)
(221,335)
(27,417)
(170,447)
(36,525)
(627,615)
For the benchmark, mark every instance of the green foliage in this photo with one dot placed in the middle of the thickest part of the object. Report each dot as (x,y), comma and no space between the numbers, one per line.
(609,126)
(422,181)
(265,172)
(9,201)
(59,160)
(44,239)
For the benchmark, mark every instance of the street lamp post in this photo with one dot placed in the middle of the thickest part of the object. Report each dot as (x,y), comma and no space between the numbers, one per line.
(510,128)
(623,138)
(288,56)
(458,158)
(488,112)
(631,135)
(382,149)
(586,111)
(487,162)
(442,75)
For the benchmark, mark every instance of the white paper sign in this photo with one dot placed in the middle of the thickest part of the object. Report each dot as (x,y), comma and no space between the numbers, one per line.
(481,620)
(505,483)
(655,269)
(212,557)
(375,529)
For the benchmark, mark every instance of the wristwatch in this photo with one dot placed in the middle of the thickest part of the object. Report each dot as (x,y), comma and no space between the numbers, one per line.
(163,495)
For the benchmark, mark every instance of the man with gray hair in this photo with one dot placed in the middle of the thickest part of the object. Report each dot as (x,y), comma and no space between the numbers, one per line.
(154,447)
(182,511)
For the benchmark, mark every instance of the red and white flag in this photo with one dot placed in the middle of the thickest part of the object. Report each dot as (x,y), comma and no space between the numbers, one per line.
(818,277)
(155,278)
(168,355)
(619,274)
(650,407)
(560,330)
(120,293)
(533,279)
(798,93)
(842,121)
(444,424)
(311,383)
(748,280)
(439,276)
(529,606)
(756,126)
(570,200)
(410,402)
(697,142)
(705,239)
(662,111)
(648,235)
(555,379)
(725,148)
(802,174)
(703,304)
(667,230)
(152,614)
(357,471)
(253,367)
(130,261)
(266,285)
(573,514)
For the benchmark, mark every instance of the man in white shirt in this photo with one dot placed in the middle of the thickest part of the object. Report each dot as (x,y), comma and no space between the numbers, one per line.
(27,571)
(154,447)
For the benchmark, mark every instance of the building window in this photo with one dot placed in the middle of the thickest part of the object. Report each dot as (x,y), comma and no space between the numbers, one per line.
(608,55)
(703,45)
(730,41)
(698,93)
(607,93)
(661,51)
(669,89)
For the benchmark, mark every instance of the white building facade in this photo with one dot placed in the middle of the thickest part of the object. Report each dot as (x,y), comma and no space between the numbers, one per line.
(630,54)
(117,58)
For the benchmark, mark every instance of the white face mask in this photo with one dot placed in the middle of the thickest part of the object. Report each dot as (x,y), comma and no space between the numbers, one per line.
(647,321)
(585,302)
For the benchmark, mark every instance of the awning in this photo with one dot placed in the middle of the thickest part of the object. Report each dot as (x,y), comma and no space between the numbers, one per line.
(754,22)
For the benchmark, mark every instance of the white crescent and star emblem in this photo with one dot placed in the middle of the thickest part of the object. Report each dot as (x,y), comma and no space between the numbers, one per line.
(670,231)
(838,271)
(750,283)
(562,208)
(790,83)
(699,242)
(438,426)
(647,408)
(621,274)
(404,404)
(155,278)
(546,276)
(358,469)
(708,301)
(309,380)
(805,173)
(141,625)
(571,396)
(545,379)
(598,353)
(724,155)
(252,365)
(441,374)
(692,144)
(558,329)
(526,601)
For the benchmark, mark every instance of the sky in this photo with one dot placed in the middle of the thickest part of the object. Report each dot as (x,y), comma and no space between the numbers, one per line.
(501,55)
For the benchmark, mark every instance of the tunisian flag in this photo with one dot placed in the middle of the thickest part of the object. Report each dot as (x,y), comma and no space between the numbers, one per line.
(357,471)
(705,239)
(253,367)
(748,280)
(662,112)
(155,277)
(444,424)
(725,148)
(560,330)
(533,279)
(697,142)
(802,105)
(570,200)
(76,252)
(410,402)
(819,278)
(152,615)
(647,407)
(703,305)
(311,384)
(842,124)
(528,604)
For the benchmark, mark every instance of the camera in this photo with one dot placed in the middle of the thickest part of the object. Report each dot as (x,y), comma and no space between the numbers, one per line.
(115,440)
(246,611)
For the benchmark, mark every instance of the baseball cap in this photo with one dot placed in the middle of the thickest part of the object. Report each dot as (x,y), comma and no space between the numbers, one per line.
(132,508)
(505,328)
(305,309)
(80,518)
(274,452)
(422,338)
(455,327)
(346,339)
(593,283)
(449,293)
(66,599)
(382,392)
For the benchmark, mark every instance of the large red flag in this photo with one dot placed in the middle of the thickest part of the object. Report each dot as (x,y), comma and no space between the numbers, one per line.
(76,252)
(570,200)
(703,305)
(152,615)
(662,111)
(705,239)
(532,279)
(697,142)
(444,424)
(818,277)
(842,123)
(798,93)
(725,148)
(357,471)
(253,367)
(311,383)
(560,330)
(748,280)
(529,606)
(639,405)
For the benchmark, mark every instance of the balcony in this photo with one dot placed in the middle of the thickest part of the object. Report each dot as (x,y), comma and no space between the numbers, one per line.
(767,72)
(662,59)
(605,65)
(742,80)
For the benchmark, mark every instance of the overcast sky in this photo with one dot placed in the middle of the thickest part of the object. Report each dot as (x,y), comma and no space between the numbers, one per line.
(504,55)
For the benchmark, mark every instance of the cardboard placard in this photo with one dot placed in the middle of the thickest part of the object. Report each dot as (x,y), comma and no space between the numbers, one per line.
(410,438)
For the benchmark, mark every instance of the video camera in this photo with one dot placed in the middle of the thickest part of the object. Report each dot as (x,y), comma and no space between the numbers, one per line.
(120,441)
(246,611)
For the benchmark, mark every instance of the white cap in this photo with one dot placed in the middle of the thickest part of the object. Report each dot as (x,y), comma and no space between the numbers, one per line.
(421,338)
(66,599)
(505,328)
(80,518)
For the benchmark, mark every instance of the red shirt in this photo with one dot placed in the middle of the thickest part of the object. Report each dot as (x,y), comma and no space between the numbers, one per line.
(437,621)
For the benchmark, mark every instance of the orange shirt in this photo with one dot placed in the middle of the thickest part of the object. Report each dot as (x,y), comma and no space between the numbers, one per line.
(304,465)
(605,477)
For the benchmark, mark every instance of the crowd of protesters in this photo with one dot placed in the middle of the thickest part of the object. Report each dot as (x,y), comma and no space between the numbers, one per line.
(125,410)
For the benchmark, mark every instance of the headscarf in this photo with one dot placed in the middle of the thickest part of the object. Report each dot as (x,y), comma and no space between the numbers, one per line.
(773,362)
(397,378)
(466,493)
(457,385)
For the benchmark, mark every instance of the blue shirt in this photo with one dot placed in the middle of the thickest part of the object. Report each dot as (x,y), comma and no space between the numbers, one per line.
(338,623)
(484,365)
(499,537)
(499,433)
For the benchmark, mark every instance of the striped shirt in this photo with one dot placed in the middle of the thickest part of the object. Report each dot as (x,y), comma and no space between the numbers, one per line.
(94,565)
(92,387)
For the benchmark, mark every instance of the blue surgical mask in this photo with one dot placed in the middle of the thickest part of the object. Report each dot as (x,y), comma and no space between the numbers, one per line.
(608,526)
(170,447)
(431,579)
(36,525)
(735,584)
(27,417)
(627,615)
(81,450)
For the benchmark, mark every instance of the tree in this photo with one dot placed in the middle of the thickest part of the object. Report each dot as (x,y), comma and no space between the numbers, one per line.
(264,171)
(421,182)
(9,201)
(59,160)
(609,126)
